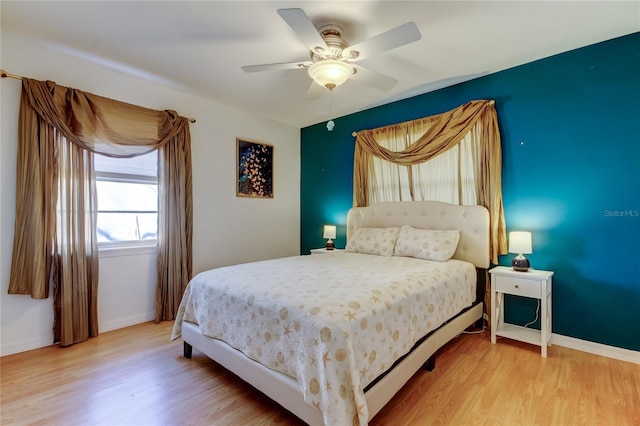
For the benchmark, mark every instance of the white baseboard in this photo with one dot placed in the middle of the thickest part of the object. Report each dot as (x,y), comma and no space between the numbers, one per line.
(26,345)
(41,342)
(556,339)
(126,322)
(614,352)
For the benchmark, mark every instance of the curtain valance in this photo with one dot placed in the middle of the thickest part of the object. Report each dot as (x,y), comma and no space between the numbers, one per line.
(102,125)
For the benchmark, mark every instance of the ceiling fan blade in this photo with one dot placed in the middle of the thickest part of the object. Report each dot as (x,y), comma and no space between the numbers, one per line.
(303,27)
(374,79)
(274,67)
(314,91)
(399,36)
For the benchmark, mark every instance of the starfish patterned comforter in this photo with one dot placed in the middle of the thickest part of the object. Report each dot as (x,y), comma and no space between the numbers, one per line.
(333,322)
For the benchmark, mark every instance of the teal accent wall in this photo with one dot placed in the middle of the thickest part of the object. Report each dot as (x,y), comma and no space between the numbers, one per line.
(570,127)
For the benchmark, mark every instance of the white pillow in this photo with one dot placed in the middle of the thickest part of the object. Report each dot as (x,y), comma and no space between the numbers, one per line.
(426,243)
(380,241)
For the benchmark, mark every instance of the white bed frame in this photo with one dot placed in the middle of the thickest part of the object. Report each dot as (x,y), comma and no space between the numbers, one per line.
(473,223)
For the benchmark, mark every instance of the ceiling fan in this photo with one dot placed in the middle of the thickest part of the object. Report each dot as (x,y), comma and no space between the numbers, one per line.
(332,60)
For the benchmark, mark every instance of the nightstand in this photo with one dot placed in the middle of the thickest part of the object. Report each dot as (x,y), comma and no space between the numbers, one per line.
(323,250)
(534,284)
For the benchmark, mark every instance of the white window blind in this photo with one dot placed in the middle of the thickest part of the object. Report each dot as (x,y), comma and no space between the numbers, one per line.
(127,199)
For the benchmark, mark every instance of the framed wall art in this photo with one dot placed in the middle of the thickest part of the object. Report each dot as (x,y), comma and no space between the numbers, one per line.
(254,175)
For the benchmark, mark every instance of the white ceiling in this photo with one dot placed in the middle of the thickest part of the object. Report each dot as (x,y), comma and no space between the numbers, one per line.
(199,47)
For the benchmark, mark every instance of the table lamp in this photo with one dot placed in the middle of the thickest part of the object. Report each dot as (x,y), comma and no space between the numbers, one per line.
(330,234)
(520,242)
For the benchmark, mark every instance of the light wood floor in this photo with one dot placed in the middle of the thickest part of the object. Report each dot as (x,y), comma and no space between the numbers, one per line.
(135,376)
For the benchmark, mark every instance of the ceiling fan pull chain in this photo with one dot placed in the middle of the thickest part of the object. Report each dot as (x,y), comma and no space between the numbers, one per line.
(330,123)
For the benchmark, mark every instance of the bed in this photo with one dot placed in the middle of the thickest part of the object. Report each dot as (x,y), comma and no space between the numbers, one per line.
(333,337)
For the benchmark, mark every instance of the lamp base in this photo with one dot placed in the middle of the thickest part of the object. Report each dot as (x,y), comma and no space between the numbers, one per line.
(520,263)
(330,245)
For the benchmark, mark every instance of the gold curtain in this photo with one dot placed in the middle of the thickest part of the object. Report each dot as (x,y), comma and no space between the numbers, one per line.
(55,235)
(175,219)
(444,131)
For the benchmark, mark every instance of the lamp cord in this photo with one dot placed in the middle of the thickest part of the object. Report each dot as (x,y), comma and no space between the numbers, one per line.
(537,315)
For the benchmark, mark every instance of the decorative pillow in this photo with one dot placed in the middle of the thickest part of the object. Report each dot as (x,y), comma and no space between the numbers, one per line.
(380,241)
(426,244)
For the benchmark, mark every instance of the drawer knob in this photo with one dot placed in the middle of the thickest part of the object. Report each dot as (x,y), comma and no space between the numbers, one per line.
(517,286)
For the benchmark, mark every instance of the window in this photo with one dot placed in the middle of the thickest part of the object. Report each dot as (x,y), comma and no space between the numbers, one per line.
(449,177)
(127,199)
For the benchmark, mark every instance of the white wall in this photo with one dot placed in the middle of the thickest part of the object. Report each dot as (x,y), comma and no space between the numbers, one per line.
(227,229)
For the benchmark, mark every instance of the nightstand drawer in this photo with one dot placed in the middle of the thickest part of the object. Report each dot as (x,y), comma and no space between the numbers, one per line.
(519,286)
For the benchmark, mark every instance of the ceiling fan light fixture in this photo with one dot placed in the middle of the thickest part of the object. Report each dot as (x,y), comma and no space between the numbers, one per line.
(330,73)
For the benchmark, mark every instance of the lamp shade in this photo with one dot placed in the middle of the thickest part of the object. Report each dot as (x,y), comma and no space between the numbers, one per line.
(330,73)
(520,242)
(329,232)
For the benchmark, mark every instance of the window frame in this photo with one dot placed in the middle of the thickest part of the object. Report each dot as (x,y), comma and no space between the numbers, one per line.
(116,248)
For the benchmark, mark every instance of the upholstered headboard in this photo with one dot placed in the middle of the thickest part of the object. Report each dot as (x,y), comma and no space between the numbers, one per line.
(471,221)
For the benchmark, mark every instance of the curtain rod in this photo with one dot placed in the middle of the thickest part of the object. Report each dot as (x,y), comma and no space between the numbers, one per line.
(4,74)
